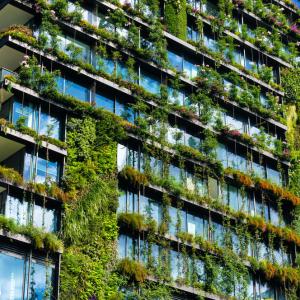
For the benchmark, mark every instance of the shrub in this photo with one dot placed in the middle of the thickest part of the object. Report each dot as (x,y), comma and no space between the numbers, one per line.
(134,270)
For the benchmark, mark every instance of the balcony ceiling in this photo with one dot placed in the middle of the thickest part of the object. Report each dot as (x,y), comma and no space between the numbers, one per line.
(10,58)
(10,15)
(8,148)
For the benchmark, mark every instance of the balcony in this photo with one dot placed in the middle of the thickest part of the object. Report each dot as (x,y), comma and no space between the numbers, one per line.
(10,57)
(9,148)
(13,12)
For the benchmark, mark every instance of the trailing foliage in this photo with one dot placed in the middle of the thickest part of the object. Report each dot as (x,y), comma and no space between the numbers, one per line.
(40,239)
(133,270)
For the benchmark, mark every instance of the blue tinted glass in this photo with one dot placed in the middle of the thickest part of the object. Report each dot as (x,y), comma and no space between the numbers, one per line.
(175,173)
(49,126)
(190,69)
(122,207)
(273,175)
(44,218)
(122,71)
(233,197)
(40,281)
(16,209)
(173,220)
(46,170)
(150,83)
(222,154)
(144,205)
(218,233)
(176,61)
(60,84)
(175,96)
(124,111)
(194,225)
(108,65)
(122,246)
(104,102)
(76,90)
(11,277)
(50,220)
(28,167)
(27,112)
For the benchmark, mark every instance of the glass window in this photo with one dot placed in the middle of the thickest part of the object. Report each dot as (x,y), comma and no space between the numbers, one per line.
(213,188)
(266,292)
(156,166)
(27,113)
(192,141)
(190,69)
(122,71)
(201,185)
(250,208)
(122,246)
(175,263)
(176,61)
(11,276)
(261,251)
(222,154)
(210,8)
(149,82)
(60,82)
(155,211)
(199,270)
(77,91)
(210,43)
(122,203)
(103,22)
(46,170)
(104,102)
(273,175)
(125,112)
(175,173)
(28,168)
(44,218)
(40,281)
(192,34)
(173,220)
(194,225)
(217,233)
(49,125)
(132,158)
(175,135)
(16,209)
(121,156)
(190,182)
(175,96)
(258,169)
(39,169)
(233,197)
(144,205)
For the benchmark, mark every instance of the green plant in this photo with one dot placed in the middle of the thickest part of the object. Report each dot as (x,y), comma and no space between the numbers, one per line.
(134,270)
(176,18)
(40,239)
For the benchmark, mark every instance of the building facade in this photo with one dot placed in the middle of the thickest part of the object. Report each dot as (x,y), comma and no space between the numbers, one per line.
(185,107)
